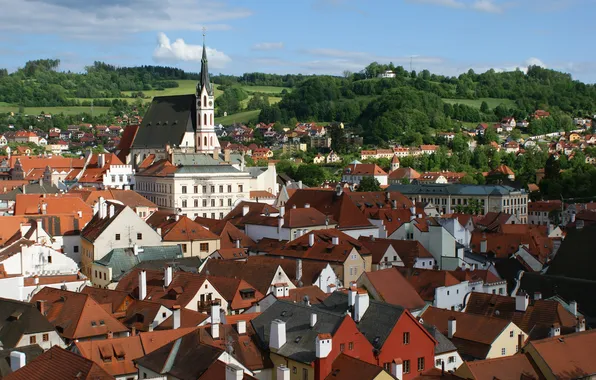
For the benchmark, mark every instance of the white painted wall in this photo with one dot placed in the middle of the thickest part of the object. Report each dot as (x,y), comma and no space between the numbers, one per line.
(53,340)
(326,278)
(39,260)
(448,297)
(207,288)
(452,360)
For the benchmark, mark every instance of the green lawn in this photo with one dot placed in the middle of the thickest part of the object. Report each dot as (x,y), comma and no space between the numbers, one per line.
(492,102)
(265,89)
(240,117)
(4,108)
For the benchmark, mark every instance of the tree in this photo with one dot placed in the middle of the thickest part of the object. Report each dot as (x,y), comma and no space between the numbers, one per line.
(310,174)
(369,184)
(552,169)
(484,107)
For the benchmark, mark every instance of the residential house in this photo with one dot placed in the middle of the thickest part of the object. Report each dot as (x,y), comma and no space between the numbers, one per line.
(447,358)
(179,230)
(402,175)
(333,158)
(345,367)
(113,226)
(509,122)
(141,205)
(477,337)
(543,212)
(318,159)
(354,173)
(77,316)
(23,324)
(346,255)
(438,288)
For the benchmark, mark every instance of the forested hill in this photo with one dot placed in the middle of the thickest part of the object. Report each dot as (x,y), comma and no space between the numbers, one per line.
(408,106)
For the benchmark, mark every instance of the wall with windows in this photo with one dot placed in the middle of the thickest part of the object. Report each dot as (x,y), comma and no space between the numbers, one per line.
(506,344)
(200,248)
(45,339)
(451,359)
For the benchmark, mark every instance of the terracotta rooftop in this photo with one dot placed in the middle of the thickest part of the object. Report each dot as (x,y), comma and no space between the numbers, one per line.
(59,364)
(364,169)
(130,198)
(345,367)
(77,315)
(184,229)
(425,281)
(535,321)
(314,293)
(97,225)
(118,301)
(188,318)
(33,204)
(519,366)
(385,282)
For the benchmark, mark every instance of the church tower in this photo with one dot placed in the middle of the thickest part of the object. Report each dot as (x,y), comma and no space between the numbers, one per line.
(205,138)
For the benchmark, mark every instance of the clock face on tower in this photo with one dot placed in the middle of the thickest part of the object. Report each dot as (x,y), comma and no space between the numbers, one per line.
(210,103)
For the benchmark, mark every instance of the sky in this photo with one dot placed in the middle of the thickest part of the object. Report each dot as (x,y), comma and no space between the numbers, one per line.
(303,36)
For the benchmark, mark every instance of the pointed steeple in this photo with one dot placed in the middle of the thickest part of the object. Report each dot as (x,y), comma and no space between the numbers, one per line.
(204,77)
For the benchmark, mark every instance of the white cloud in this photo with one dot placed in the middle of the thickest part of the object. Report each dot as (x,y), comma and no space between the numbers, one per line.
(109,19)
(488,6)
(268,46)
(177,51)
(534,62)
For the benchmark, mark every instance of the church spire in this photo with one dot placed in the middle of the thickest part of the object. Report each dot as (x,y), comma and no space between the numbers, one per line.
(204,77)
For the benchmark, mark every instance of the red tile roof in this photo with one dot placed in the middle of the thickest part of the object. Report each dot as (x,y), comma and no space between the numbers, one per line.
(385,282)
(425,281)
(364,169)
(32,204)
(345,367)
(519,366)
(59,364)
(184,229)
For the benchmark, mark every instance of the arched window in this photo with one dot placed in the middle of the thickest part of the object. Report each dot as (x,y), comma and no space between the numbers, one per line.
(204,100)
(211,141)
(205,141)
(205,119)
(211,119)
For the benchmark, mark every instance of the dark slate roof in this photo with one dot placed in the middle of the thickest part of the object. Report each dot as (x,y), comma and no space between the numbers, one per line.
(575,257)
(204,76)
(166,121)
(18,318)
(185,264)
(121,260)
(454,189)
(34,188)
(444,345)
(378,320)
(184,358)
(31,352)
(300,337)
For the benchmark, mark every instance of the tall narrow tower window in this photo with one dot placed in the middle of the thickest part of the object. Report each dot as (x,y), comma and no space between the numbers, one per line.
(211,119)
(211,140)
(205,119)
(205,141)
(204,100)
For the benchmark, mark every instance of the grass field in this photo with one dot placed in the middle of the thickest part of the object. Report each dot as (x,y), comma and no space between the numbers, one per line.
(240,117)
(4,108)
(492,102)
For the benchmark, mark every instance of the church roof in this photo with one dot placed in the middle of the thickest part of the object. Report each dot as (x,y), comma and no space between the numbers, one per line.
(166,121)
(204,77)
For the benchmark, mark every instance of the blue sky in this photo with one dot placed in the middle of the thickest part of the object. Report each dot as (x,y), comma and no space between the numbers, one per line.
(304,36)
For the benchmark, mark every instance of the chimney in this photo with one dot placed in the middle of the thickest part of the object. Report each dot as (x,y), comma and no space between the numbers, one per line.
(101,160)
(572,218)
(352,294)
(241,327)
(234,372)
(238,241)
(112,211)
(110,335)
(521,301)
(104,210)
(280,224)
(167,276)
(298,269)
(520,342)
(44,208)
(277,336)
(215,313)
(362,302)
(335,240)
(39,227)
(397,369)
(176,317)
(451,327)
(323,348)
(580,324)
(549,229)
(307,205)
(555,330)
(216,154)
(282,211)
(17,360)
(227,155)
(573,308)
(483,244)
(282,373)
(142,285)
(413,211)
(177,217)
(158,230)
(537,296)
(41,306)
(133,331)
(394,204)
(311,239)
(245,210)
(313,319)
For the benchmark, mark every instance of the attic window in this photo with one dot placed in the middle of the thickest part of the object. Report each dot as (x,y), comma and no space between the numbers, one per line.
(298,339)
(106,353)
(101,322)
(93,323)
(15,316)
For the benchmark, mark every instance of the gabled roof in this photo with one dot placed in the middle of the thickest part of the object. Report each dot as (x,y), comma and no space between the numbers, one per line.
(77,315)
(300,337)
(519,366)
(115,299)
(575,257)
(126,140)
(129,198)
(141,314)
(97,225)
(59,364)
(184,229)
(340,207)
(345,367)
(536,321)
(236,215)
(121,260)
(364,169)
(323,248)
(474,334)
(569,356)
(371,200)
(166,121)
(425,281)
(386,281)
(19,318)
(188,319)
(32,204)
(404,173)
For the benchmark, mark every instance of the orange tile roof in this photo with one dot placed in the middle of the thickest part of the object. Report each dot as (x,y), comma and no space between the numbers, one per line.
(385,282)
(130,198)
(188,318)
(59,364)
(425,281)
(519,366)
(77,315)
(31,204)
(184,229)
(364,169)
(345,367)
